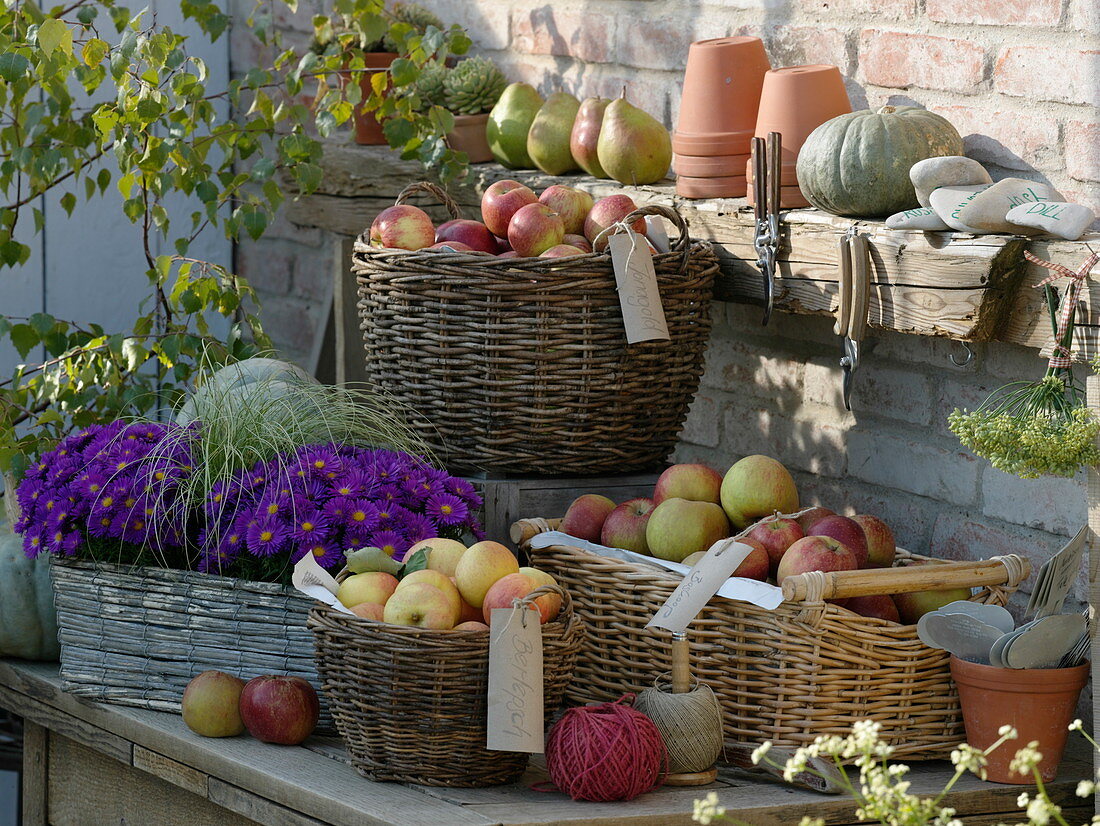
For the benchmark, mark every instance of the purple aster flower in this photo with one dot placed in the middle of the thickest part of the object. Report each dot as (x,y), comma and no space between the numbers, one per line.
(387,467)
(392,542)
(462,489)
(362,516)
(32,543)
(314,490)
(418,526)
(267,537)
(354,541)
(447,509)
(309,524)
(326,551)
(322,462)
(274,505)
(336,509)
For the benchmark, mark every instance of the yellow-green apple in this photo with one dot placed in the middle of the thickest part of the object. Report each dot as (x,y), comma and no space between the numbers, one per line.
(443,554)
(880,540)
(549,605)
(402,227)
(757,486)
(693,559)
(504,591)
(369,610)
(585,516)
(211,704)
(625,526)
(473,234)
(607,212)
(696,482)
(571,204)
(372,586)
(578,241)
(534,229)
(753,566)
(471,625)
(911,607)
(279,709)
(420,605)
(450,246)
(501,201)
(811,515)
(440,581)
(844,530)
(776,535)
(815,553)
(679,527)
(483,564)
(561,251)
(879,606)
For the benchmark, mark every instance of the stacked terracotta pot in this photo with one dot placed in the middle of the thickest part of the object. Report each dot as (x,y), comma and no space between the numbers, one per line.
(713,136)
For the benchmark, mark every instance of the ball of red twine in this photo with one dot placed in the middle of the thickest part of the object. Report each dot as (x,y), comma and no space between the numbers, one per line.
(606,752)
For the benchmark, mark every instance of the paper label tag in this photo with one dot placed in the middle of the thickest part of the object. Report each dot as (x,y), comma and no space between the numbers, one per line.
(1056,576)
(636,282)
(515,705)
(699,585)
(655,232)
(314,581)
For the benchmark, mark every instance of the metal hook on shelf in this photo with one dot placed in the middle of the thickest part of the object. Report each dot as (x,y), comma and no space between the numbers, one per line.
(969,356)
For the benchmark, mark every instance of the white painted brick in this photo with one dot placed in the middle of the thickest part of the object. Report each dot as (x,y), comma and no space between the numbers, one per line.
(701,427)
(963,536)
(822,384)
(740,367)
(800,444)
(1049,503)
(964,395)
(892,393)
(901,462)
(486,23)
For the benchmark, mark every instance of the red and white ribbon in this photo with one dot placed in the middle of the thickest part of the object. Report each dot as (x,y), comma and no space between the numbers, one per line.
(1061,356)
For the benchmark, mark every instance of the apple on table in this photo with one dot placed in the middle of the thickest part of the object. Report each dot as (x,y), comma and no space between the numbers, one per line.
(280,709)
(211,704)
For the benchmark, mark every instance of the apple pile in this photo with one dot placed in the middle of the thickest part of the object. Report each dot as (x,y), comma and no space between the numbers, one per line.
(457,590)
(516,223)
(279,709)
(693,506)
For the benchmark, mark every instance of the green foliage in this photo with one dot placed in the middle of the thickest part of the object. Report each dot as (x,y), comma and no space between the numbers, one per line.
(474,86)
(94,79)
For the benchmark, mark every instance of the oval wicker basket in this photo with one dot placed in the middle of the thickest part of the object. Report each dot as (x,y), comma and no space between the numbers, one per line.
(410,704)
(522,364)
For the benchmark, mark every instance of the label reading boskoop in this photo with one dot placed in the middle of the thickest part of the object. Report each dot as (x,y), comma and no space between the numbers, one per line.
(636,282)
(514,719)
(699,585)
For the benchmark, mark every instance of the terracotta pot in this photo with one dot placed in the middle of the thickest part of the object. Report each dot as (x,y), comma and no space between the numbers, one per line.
(790,196)
(795,101)
(703,146)
(1038,702)
(469,137)
(368,131)
(715,166)
(722,83)
(732,186)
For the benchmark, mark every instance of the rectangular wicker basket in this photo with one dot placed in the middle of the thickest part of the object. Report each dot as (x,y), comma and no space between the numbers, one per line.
(806,669)
(136,636)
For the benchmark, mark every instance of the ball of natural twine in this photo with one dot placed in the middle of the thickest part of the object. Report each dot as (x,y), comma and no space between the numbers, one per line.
(690,724)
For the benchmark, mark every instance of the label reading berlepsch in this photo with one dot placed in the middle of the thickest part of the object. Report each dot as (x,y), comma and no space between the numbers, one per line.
(515,704)
(699,585)
(314,581)
(636,282)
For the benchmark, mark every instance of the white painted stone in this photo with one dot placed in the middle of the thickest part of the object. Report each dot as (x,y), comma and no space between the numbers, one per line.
(987,211)
(950,170)
(948,202)
(1059,218)
(924,218)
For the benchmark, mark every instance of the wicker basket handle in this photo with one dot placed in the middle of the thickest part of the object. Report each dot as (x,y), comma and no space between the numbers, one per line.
(682,242)
(428,188)
(566,600)
(525,530)
(816,586)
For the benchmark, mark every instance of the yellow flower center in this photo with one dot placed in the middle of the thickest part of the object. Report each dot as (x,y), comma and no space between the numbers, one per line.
(446,510)
(265,536)
(359,516)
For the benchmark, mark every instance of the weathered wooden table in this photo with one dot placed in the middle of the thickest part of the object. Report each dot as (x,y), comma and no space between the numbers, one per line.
(87,764)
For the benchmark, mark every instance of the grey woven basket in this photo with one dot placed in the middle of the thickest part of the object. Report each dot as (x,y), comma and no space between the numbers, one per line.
(136,636)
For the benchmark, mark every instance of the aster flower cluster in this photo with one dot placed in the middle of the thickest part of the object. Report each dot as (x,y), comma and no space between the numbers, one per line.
(325,499)
(119,481)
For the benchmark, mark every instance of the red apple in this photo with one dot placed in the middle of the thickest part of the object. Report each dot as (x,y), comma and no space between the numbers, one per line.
(509,254)
(755,487)
(776,535)
(573,205)
(534,229)
(753,566)
(815,553)
(625,526)
(680,527)
(549,605)
(279,709)
(402,227)
(578,241)
(843,530)
(452,246)
(369,610)
(501,201)
(585,516)
(880,541)
(503,244)
(471,625)
(879,605)
(607,212)
(812,515)
(504,591)
(561,251)
(911,607)
(694,482)
(473,234)
(211,704)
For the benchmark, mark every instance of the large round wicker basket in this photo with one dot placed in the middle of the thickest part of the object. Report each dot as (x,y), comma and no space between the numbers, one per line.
(522,364)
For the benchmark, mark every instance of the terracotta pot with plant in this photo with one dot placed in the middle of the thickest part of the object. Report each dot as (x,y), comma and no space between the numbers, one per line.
(468,91)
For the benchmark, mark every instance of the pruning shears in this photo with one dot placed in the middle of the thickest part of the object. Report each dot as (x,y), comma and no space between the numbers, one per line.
(767,168)
(854,254)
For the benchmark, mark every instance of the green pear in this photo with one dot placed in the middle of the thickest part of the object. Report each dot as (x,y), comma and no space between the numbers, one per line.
(548,140)
(508,125)
(634,147)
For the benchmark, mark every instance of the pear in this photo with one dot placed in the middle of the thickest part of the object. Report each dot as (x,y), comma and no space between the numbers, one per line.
(548,140)
(634,147)
(586,132)
(508,125)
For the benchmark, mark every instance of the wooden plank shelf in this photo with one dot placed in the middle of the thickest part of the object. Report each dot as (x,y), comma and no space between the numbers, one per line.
(973,288)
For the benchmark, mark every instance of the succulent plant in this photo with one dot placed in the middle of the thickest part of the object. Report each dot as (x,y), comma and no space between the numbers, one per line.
(416,16)
(429,86)
(474,86)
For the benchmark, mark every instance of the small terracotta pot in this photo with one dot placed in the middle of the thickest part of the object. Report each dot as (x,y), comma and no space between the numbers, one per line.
(722,83)
(796,100)
(368,130)
(732,186)
(1038,702)
(715,166)
(703,146)
(469,136)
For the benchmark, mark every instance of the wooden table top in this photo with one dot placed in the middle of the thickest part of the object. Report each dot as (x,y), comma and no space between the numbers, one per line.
(315,784)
